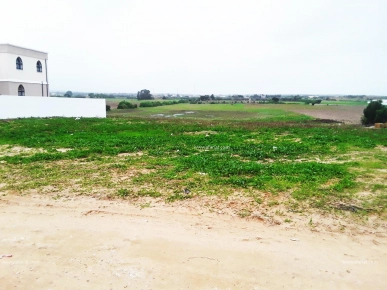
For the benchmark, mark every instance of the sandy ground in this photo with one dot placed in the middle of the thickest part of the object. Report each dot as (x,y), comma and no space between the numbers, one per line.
(342,113)
(84,243)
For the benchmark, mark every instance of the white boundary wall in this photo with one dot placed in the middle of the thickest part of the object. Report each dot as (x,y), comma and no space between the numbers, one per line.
(12,107)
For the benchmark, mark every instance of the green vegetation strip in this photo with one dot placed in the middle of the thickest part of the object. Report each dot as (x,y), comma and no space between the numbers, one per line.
(274,163)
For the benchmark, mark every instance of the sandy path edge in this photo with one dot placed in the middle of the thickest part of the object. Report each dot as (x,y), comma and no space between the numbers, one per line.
(87,243)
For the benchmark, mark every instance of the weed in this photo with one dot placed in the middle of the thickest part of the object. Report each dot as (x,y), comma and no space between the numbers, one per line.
(177,196)
(244,213)
(378,187)
(272,203)
(258,200)
(123,192)
(144,205)
(151,193)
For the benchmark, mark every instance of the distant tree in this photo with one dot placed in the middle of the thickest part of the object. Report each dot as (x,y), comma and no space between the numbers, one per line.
(237,97)
(297,98)
(212,97)
(144,95)
(205,98)
(255,97)
(275,99)
(91,95)
(313,102)
(68,94)
(375,112)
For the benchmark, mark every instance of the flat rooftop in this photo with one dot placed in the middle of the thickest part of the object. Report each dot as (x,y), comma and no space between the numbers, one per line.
(19,50)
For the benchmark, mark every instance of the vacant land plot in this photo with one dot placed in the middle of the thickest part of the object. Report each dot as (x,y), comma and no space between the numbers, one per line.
(247,168)
(214,112)
(348,113)
(178,195)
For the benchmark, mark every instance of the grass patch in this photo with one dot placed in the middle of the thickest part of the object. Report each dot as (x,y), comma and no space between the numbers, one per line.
(294,164)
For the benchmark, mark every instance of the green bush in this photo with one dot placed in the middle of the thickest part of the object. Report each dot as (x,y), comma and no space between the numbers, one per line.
(381,115)
(126,105)
(375,112)
(158,103)
(108,108)
(313,102)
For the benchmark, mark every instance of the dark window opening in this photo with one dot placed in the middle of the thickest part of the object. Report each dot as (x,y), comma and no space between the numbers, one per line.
(19,63)
(20,91)
(39,66)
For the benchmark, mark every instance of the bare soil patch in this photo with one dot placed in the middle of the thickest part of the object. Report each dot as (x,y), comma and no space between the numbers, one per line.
(8,150)
(94,244)
(339,113)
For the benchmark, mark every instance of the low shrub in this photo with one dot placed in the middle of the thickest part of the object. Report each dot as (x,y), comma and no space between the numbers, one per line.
(313,102)
(126,105)
(158,103)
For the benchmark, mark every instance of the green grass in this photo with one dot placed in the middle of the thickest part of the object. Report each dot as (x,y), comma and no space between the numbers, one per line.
(216,112)
(297,165)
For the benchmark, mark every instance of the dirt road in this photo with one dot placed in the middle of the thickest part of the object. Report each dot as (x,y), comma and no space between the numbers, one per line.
(85,243)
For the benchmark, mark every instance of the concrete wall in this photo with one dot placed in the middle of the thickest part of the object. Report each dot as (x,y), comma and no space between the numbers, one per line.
(25,107)
(4,88)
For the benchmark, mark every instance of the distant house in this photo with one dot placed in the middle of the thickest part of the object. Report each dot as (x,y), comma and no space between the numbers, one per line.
(23,71)
(238,97)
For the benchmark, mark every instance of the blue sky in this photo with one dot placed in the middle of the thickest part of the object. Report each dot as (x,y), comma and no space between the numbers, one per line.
(206,46)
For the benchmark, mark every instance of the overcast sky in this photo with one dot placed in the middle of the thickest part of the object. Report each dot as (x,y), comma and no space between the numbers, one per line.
(206,46)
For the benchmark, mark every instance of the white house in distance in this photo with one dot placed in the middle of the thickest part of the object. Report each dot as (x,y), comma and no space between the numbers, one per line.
(23,71)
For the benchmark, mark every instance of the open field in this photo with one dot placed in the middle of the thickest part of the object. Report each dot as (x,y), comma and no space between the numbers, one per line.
(158,202)
(346,112)
(276,168)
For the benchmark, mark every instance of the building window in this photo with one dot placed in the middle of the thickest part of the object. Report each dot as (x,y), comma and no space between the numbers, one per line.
(39,66)
(19,63)
(20,91)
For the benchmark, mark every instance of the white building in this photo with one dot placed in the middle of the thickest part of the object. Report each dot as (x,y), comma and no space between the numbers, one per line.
(23,71)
